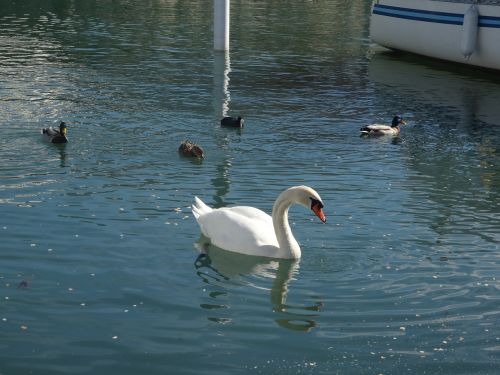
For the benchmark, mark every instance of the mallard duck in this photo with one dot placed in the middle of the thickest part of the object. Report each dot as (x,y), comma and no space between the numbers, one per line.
(233,122)
(188,148)
(377,129)
(56,136)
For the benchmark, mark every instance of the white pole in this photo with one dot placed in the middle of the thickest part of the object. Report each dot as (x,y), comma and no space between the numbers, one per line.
(221,25)
(222,96)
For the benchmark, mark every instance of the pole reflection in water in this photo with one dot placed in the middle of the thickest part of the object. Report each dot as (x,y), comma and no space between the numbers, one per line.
(223,269)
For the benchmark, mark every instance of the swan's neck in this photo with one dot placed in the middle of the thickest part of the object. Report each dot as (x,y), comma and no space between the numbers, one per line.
(288,245)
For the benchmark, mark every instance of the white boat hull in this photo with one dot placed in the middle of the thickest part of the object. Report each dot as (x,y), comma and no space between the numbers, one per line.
(436,29)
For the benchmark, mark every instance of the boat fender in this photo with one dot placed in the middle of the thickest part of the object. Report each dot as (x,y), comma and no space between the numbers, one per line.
(469,31)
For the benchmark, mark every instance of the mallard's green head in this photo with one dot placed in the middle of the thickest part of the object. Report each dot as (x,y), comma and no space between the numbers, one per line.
(63,129)
(397,120)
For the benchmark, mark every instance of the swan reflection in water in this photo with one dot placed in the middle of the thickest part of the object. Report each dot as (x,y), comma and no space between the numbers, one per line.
(216,266)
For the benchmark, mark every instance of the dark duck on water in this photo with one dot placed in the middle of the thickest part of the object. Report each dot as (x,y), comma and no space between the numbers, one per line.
(233,122)
(56,136)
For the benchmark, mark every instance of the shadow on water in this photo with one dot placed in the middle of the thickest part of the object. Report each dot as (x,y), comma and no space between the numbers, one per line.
(464,98)
(460,107)
(216,266)
(452,152)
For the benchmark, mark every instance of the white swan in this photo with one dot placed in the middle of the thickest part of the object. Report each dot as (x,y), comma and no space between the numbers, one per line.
(248,230)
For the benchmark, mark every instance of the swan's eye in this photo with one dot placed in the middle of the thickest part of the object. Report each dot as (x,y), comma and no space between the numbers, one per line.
(315,202)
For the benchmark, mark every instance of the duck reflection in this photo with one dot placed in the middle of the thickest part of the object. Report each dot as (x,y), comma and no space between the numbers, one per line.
(219,267)
(62,156)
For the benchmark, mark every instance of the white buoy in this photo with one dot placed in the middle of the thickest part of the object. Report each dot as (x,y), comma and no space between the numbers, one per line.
(221,25)
(469,31)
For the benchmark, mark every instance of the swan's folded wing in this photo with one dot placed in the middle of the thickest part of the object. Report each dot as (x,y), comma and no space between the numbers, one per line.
(242,229)
(250,213)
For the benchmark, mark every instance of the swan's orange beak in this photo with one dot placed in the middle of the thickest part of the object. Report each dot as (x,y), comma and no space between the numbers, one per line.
(318,210)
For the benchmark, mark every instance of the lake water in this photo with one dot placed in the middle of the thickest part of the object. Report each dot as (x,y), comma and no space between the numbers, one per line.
(98,270)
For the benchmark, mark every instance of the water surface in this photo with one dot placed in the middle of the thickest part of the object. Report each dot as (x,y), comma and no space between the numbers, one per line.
(98,270)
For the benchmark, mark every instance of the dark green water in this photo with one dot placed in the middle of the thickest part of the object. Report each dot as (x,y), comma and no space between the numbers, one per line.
(97,241)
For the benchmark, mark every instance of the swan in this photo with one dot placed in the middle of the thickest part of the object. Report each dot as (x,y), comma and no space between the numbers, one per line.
(378,129)
(250,231)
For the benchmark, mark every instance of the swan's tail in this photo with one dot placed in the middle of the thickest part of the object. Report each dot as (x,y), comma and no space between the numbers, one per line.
(199,208)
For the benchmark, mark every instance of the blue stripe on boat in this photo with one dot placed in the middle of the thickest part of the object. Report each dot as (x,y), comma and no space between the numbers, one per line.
(431,16)
(486,21)
(419,15)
